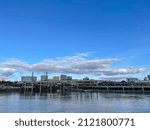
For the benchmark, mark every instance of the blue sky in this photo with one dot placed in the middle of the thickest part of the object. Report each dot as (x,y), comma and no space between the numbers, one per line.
(33,31)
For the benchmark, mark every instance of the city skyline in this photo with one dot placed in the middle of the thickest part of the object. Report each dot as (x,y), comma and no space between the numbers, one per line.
(99,39)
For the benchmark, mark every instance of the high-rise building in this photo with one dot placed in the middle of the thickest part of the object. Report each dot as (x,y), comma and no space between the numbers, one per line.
(28,79)
(56,78)
(69,78)
(44,77)
(63,77)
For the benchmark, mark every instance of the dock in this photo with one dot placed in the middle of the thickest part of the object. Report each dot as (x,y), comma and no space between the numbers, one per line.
(77,85)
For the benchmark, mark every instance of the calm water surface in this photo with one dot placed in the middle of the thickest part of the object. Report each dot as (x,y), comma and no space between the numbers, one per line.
(74,102)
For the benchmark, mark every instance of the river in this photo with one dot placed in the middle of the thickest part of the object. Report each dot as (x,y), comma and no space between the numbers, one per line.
(74,102)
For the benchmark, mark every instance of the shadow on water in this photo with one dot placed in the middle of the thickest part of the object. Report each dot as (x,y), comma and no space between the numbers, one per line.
(46,96)
(80,96)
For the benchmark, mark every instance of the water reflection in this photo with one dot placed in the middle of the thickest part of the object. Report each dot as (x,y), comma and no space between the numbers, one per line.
(74,102)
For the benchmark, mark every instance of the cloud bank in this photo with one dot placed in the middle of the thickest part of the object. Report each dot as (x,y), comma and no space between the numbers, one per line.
(76,64)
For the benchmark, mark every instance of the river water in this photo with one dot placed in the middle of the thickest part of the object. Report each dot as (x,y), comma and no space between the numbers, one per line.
(74,102)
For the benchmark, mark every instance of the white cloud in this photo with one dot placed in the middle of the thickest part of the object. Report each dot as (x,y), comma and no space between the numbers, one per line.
(76,64)
(6,71)
(122,71)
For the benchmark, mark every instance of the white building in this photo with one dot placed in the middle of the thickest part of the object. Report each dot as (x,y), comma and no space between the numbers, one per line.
(56,78)
(44,77)
(132,79)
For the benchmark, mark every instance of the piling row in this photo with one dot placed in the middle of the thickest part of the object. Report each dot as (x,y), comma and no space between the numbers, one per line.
(63,86)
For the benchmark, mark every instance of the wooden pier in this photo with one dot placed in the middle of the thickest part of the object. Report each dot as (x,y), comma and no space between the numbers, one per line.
(80,85)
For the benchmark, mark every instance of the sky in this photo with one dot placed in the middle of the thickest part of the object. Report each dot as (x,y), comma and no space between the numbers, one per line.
(101,39)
